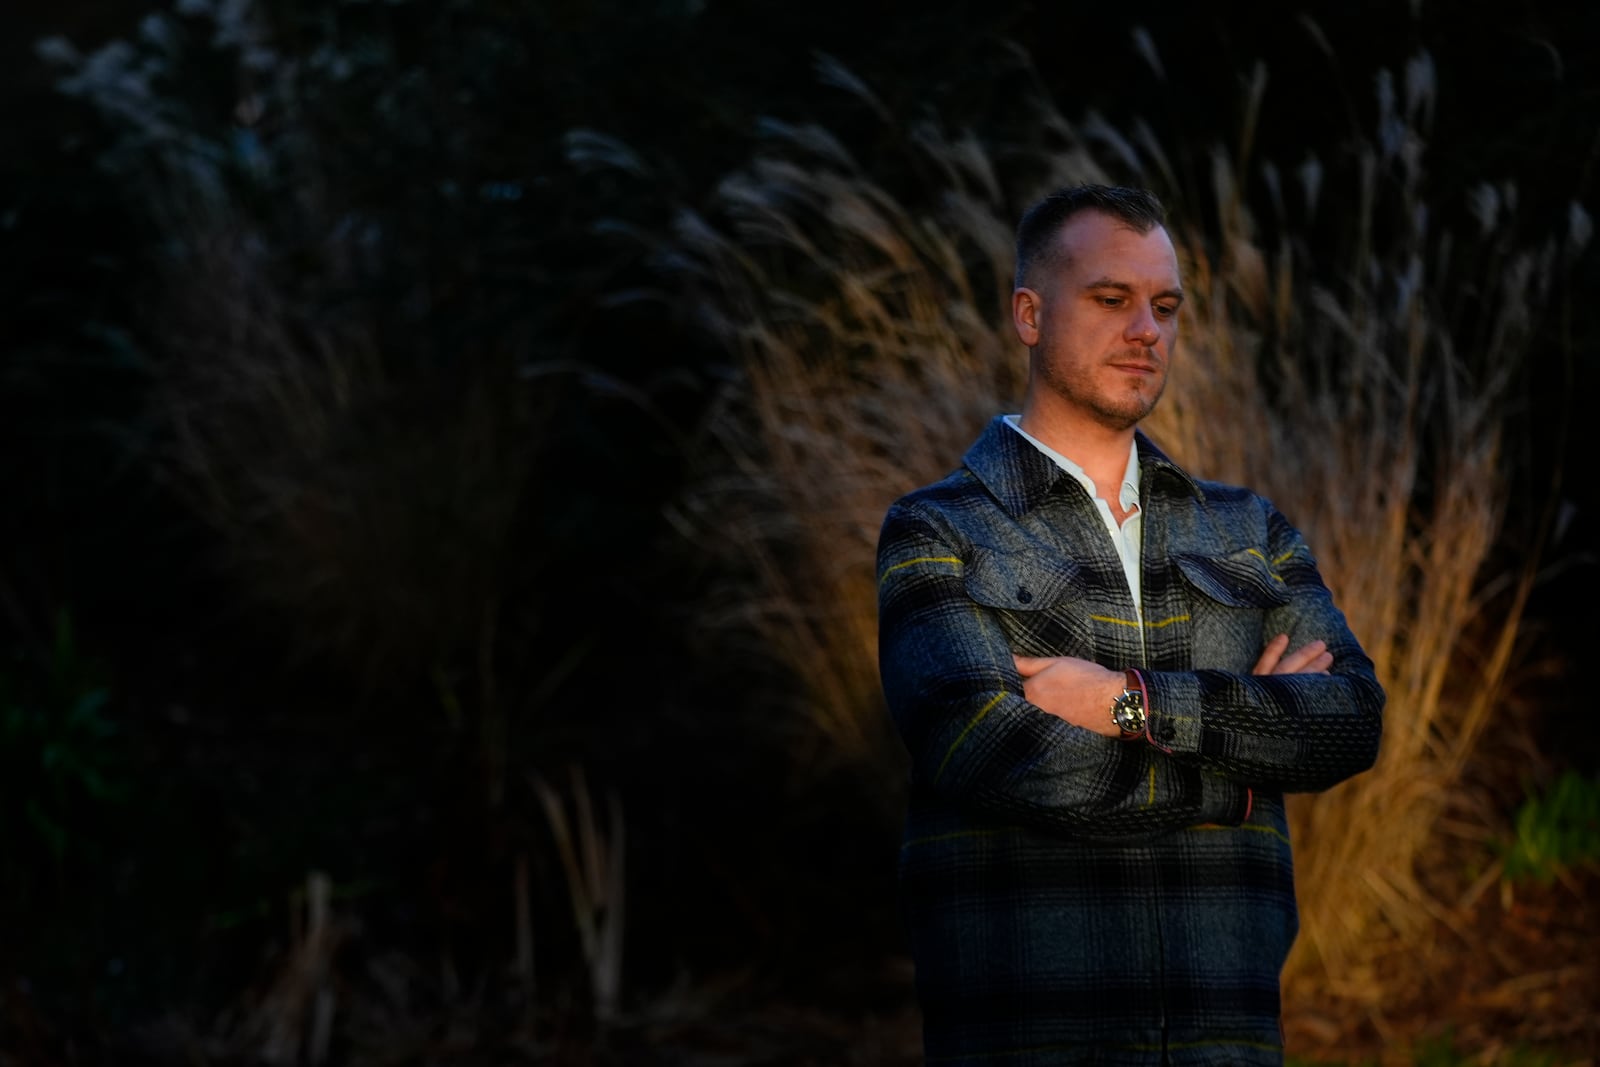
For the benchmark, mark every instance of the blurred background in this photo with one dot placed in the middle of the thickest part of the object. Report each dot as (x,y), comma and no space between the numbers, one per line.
(444,443)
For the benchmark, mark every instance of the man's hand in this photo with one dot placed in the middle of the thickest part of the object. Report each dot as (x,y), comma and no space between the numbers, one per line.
(1312,658)
(1081,692)
(1076,690)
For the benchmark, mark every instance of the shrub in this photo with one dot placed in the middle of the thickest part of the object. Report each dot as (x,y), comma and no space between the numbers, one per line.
(1556,830)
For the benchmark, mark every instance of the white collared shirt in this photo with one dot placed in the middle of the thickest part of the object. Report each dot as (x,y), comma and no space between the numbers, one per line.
(1129,536)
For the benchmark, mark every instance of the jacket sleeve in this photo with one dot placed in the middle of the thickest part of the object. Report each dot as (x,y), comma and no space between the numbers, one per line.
(1292,733)
(956,699)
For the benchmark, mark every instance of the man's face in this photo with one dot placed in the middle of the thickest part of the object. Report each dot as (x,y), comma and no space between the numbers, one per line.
(1102,322)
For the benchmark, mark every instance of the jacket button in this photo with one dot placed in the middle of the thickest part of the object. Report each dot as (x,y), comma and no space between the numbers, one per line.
(1023,595)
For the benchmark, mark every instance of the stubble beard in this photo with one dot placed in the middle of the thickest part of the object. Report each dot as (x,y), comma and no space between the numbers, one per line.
(1115,409)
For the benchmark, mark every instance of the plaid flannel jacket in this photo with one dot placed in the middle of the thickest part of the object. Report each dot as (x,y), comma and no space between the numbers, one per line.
(1070,898)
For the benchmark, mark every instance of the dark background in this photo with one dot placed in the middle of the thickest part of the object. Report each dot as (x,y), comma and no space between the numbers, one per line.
(184,744)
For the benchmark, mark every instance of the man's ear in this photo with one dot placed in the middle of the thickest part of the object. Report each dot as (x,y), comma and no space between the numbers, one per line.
(1025,308)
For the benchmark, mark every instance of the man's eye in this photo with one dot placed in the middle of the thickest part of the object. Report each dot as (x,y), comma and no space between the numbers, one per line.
(1166,311)
(1111,301)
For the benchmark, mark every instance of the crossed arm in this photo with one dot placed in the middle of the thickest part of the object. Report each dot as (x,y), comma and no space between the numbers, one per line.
(1031,738)
(1080,691)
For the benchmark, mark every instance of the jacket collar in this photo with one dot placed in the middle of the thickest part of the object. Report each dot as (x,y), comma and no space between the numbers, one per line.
(1020,476)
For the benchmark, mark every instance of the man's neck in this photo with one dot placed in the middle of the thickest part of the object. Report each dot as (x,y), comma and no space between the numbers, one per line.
(1100,451)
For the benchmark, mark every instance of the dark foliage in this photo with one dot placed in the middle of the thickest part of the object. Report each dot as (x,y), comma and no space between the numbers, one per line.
(204,698)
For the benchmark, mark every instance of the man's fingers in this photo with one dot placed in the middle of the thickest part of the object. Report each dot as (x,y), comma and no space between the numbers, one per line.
(1310,658)
(1028,666)
(1303,660)
(1268,663)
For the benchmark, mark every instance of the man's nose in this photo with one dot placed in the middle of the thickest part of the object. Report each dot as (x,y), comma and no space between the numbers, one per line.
(1143,328)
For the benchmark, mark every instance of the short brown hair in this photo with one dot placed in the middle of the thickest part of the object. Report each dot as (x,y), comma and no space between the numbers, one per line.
(1138,208)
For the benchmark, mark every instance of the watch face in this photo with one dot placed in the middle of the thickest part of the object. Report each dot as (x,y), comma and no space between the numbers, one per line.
(1128,711)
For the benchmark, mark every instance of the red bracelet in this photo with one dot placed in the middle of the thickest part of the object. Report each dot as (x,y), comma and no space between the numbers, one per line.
(1136,679)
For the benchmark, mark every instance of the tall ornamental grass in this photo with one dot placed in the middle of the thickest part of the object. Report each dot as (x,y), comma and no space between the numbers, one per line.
(1367,400)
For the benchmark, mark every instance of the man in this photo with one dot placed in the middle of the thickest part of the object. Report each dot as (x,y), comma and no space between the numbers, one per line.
(1087,653)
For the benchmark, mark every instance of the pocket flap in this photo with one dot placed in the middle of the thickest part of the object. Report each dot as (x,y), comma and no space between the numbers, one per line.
(1018,582)
(1241,580)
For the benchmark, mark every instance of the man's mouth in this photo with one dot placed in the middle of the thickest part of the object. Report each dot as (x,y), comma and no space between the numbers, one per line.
(1138,368)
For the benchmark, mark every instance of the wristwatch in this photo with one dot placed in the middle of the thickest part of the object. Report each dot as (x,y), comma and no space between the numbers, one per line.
(1127,711)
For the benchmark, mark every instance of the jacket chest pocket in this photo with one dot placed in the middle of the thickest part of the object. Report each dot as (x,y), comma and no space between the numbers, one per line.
(1039,601)
(1230,597)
